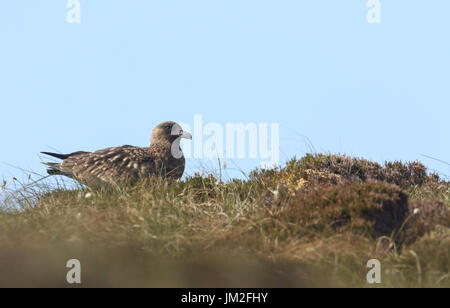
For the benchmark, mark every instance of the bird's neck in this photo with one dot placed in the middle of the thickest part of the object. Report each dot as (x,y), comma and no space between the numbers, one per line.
(162,146)
(171,150)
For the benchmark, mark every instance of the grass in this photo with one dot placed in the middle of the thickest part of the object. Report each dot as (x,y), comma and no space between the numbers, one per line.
(315,222)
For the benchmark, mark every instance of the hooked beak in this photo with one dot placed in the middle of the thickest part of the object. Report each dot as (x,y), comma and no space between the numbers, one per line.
(185,135)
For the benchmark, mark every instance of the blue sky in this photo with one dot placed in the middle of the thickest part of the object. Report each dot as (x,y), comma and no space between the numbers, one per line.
(318,68)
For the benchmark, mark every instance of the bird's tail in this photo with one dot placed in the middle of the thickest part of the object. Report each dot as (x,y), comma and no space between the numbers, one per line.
(60,156)
(54,169)
(63,156)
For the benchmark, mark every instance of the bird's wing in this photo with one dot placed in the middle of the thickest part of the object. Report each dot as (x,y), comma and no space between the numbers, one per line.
(111,165)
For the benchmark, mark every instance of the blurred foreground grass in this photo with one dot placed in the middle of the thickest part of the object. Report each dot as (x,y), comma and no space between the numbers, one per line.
(315,222)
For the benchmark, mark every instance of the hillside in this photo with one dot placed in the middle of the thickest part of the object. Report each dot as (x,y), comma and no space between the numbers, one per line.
(314,222)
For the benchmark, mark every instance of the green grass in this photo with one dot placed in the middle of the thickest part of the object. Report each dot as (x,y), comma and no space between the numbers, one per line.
(315,222)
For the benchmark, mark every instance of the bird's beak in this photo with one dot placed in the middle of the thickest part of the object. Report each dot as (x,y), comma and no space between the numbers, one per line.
(185,135)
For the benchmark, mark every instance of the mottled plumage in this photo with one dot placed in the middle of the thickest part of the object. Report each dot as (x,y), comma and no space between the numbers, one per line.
(126,164)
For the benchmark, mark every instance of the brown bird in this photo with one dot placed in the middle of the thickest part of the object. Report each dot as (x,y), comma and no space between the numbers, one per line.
(126,164)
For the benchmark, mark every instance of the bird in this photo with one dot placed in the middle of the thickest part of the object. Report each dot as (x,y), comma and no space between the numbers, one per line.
(126,164)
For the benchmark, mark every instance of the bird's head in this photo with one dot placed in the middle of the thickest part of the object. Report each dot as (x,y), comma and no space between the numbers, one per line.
(168,132)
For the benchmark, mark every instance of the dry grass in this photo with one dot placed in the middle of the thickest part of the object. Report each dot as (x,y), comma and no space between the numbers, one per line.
(315,222)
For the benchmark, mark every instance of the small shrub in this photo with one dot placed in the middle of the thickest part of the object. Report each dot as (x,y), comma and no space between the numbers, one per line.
(372,208)
(314,170)
(425,216)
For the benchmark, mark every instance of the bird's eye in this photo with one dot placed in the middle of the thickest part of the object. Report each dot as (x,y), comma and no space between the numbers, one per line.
(167,127)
